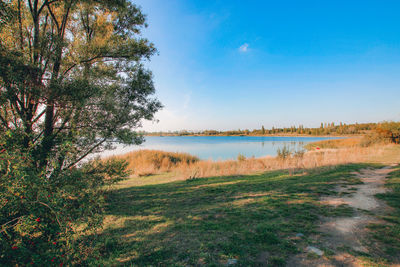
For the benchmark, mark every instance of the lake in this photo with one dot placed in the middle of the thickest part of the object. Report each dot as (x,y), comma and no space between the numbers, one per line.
(220,147)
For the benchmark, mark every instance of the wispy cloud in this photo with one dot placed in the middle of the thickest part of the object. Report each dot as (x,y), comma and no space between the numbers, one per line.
(244,48)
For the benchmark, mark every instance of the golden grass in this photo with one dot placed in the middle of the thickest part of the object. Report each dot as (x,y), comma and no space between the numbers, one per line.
(181,166)
(337,143)
(146,162)
(311,159)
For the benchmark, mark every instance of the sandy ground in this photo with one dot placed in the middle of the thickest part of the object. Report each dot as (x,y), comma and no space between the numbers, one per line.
(348,232)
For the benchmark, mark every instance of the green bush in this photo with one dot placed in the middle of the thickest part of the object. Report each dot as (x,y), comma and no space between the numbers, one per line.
(62,99)
(41,216)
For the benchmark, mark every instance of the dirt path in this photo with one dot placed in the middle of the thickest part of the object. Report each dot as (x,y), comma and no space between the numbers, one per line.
(340,234)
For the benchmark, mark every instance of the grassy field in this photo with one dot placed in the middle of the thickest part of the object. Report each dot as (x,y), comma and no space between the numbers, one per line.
(209,221)
(387,234)
(253,220)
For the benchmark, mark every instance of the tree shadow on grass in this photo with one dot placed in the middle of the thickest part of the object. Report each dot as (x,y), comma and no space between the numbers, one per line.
(210,220)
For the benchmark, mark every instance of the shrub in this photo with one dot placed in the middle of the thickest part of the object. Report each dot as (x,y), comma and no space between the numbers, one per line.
(385,132)
(41,216)
(241,157)
(372,139)
(283,153)
(389,131)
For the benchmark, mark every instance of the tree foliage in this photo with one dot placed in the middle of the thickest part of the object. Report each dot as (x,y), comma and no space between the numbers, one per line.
(389,131)
(73,81)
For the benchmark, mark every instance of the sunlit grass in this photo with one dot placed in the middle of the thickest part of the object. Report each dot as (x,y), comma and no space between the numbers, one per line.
(210,220)
(166,219)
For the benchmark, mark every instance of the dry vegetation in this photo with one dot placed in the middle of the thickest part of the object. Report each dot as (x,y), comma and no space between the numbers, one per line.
(337,143)
(185,166)
(146,162)
(311,159)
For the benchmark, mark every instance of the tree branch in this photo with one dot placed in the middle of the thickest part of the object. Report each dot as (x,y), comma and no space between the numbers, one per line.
(3,225)
(81,62)
(38,116)
(5,123)
(44,204)
(87,153)
(53,16)
(46,2)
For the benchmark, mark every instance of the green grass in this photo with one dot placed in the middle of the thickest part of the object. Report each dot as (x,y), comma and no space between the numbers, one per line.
(386,236)
(210,220)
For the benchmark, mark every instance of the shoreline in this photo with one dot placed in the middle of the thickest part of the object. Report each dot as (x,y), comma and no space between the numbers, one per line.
(250,135)
(307,147)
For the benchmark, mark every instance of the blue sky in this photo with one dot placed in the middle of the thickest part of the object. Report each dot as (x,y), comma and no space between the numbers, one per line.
(229,64)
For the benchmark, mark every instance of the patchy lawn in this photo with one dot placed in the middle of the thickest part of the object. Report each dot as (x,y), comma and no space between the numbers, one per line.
(253,219)
(385,237)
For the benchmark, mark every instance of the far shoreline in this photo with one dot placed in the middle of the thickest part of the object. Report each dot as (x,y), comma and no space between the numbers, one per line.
(252,135)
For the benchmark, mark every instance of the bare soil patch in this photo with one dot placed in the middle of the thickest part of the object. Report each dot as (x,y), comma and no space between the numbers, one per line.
(339,235)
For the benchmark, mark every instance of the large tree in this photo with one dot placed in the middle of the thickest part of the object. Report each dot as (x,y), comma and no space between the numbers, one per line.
(72,72)
(72,83)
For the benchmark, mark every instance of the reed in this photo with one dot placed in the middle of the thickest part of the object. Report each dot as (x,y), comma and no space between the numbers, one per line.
(147,162)
(310,159)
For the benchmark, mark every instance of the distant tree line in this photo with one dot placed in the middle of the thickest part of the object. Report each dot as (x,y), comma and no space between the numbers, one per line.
(390,129)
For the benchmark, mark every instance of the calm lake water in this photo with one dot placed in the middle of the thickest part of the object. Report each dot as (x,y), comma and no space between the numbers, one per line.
(220,147)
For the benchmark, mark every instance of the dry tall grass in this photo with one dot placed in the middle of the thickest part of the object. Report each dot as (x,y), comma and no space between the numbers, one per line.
(311,159)
(185,166)
(146,162)
(337,143)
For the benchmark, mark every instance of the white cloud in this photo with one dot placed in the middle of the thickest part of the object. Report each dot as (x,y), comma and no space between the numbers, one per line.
(244,48)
